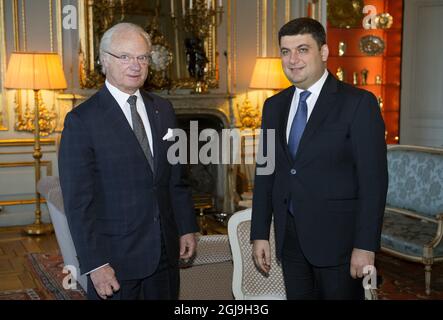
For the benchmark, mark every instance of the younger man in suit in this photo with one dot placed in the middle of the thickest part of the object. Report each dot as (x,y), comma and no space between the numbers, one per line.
(328,192)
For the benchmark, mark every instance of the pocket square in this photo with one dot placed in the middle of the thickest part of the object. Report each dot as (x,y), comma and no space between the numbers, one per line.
(168,134)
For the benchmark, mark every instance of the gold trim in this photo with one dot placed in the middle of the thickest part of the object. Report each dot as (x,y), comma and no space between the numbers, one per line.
(3,91)
(45,163)
(287,10)
(401,255)
(434,242)
(25,142)
(264,25)
(15,22)
(24,152)
(228,49)
(234,48)
(20,202)
(408,257)
(59,15)
(51,27)
(89,77)
(177,49)
(415,148)
(257,24)
(24,25)
(409,214)
(16,33)
(274,28)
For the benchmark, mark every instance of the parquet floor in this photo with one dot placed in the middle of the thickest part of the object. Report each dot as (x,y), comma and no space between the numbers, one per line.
(14,245)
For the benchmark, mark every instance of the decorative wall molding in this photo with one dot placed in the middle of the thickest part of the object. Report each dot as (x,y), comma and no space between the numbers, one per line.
(421,116)
(3,95)
(25,142)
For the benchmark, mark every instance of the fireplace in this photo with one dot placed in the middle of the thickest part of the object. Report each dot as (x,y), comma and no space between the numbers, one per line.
(212,184)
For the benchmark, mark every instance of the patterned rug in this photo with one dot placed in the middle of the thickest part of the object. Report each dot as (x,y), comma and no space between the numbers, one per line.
(27,294)
(400,280)
(48,269)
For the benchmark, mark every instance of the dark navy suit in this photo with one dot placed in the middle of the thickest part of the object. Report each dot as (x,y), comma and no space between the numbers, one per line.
(337,183)
(120,211)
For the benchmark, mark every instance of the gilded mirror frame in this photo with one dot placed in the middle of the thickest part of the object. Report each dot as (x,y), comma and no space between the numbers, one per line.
(92,20)
(3,93)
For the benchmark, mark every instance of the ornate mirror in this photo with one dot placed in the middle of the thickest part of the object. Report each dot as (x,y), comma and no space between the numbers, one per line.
(183,35)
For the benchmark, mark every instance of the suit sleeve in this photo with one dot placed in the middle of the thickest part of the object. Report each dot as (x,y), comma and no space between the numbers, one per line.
(180,195)
(263,184)
(76,169)
(369,150)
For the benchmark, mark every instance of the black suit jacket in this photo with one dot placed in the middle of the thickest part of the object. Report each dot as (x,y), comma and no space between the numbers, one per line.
(116,207)
(338,188)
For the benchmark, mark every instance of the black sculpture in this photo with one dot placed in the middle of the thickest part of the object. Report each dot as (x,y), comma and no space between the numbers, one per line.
(196,58)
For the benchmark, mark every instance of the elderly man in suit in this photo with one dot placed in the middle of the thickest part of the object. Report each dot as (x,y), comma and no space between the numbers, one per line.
(328,191)
(130,213)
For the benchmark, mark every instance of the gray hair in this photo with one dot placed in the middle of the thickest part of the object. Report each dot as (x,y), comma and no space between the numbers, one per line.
(106,39)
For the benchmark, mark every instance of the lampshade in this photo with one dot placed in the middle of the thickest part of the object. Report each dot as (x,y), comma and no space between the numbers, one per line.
(35,70)
(268,74)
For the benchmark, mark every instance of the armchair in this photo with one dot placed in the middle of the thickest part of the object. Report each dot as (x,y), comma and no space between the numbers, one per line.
(208,276)
(49,187)
(248,282)
(413,221)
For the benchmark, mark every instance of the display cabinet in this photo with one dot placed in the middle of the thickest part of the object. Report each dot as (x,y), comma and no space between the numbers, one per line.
(369,58)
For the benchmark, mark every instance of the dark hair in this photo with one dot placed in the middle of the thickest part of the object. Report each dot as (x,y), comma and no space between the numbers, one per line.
(304,26)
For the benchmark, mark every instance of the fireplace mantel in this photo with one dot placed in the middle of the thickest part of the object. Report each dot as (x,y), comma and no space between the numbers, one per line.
(214,104)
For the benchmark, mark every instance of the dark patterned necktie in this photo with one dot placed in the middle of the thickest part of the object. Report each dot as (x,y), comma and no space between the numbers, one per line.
(140,132)
(298,124)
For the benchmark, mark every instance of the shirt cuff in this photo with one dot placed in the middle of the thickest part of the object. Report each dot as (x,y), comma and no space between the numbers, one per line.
(107,264)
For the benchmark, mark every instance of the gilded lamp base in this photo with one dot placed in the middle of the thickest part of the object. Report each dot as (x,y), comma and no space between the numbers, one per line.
(38,229)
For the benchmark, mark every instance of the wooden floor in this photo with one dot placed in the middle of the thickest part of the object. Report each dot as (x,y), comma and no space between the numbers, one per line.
(15,274)
(14,245)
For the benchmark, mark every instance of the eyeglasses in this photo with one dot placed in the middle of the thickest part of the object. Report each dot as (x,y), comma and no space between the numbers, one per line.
(126,59)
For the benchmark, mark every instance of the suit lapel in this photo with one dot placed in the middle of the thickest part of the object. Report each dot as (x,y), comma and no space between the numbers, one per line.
(324,104)
(287,100)
(155,122)
(120,125)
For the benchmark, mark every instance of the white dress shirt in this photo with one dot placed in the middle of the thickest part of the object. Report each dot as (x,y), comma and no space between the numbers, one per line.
(122,100)
(315,90)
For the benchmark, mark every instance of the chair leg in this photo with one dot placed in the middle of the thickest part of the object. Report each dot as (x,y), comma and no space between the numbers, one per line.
(428,268)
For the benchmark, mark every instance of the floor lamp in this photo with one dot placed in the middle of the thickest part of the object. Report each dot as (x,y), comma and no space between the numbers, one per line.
(35,71)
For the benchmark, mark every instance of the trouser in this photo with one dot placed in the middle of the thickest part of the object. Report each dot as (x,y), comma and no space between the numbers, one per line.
(306,281)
